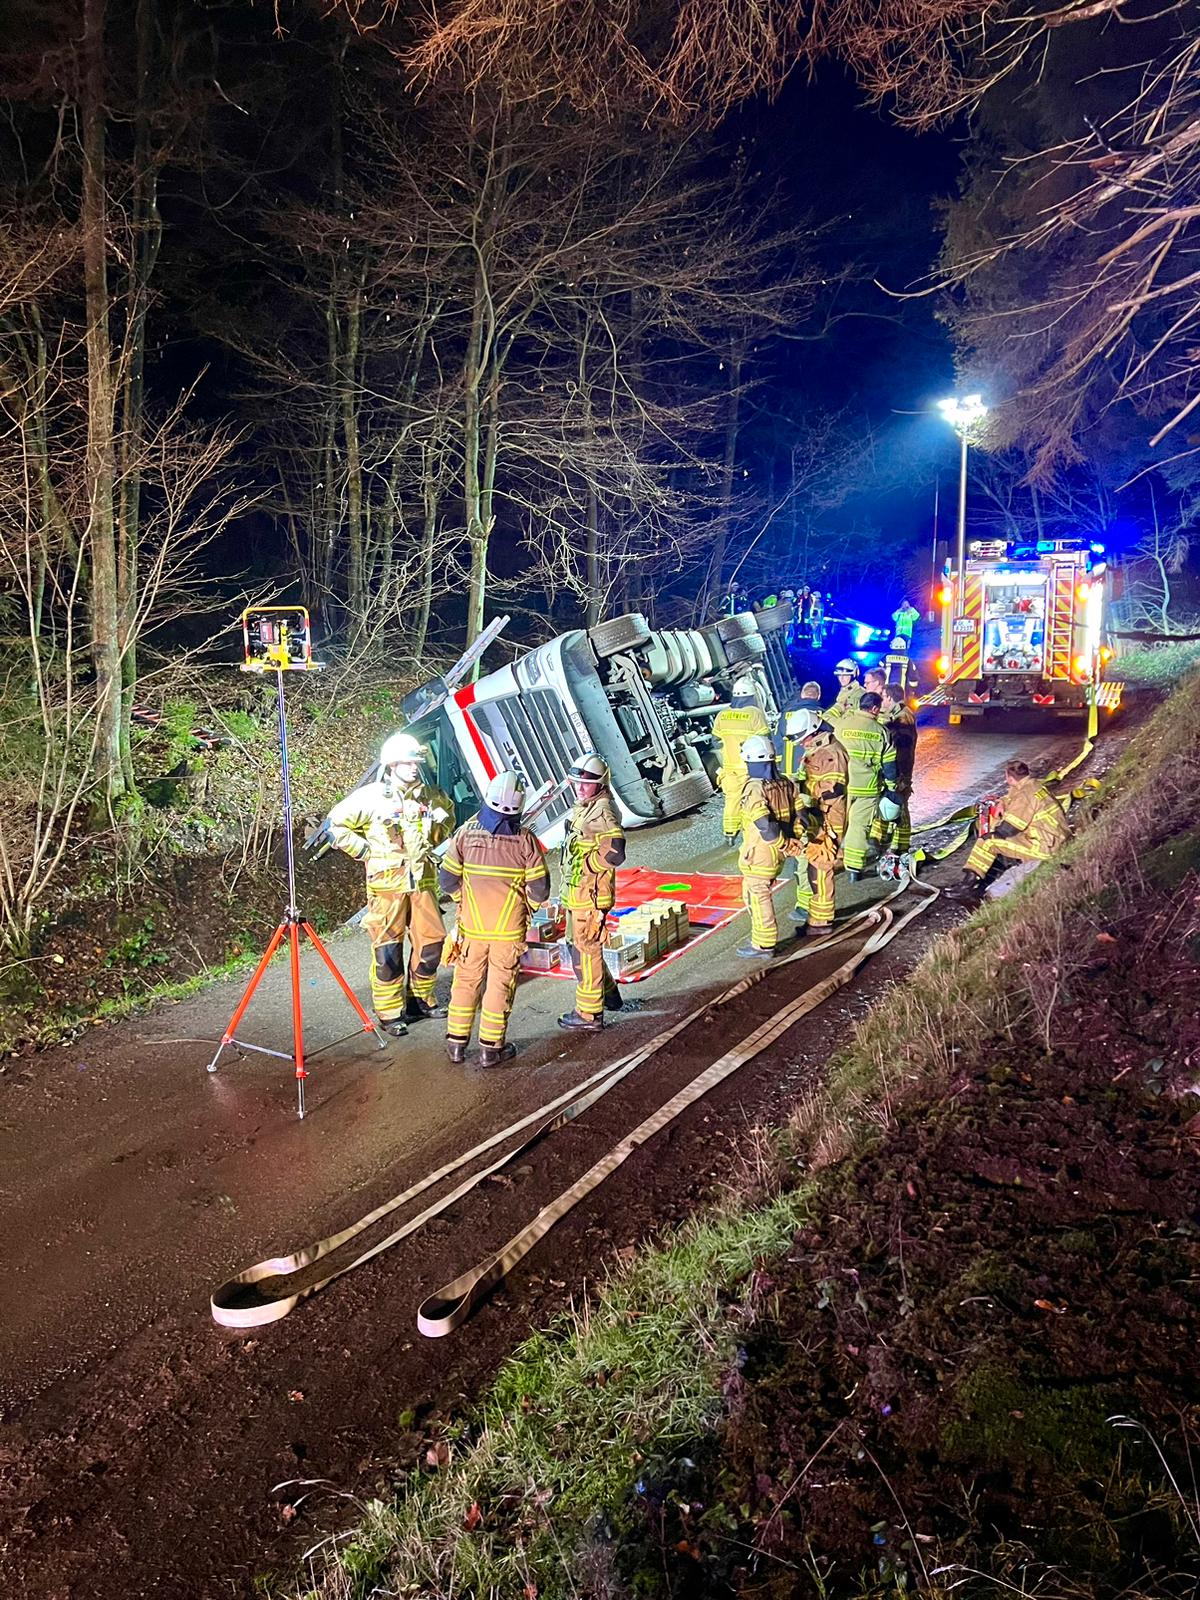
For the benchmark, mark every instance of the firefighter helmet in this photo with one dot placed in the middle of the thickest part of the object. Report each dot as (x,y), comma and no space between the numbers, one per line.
(847,665)
(505,794)
(803,722)
(899,643)
(758,748)
(744,687)
(589,768)
(889,809)
(400,747)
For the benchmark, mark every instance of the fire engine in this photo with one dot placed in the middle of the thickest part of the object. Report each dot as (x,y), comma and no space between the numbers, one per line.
(1028,629)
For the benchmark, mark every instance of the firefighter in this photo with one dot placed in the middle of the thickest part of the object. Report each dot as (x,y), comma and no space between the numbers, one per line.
(741,719)
(872,776)
(393,825)
(901,723)
(850,691)
(823,782)
(904,618)
(593,850)
(875,681)
(1032,827)
(795,722)
(495,870)
(899,668)
(768,822)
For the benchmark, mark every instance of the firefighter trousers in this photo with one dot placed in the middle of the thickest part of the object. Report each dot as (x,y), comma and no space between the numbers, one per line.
(896,835)
(983,856)
(392,913)
(732,784)
(863,810)
(758,900)
(814,885)
(585,930)
(485,980)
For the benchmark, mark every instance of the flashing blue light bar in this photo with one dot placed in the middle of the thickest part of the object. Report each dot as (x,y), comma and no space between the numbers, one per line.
(1097,549)
(863,634)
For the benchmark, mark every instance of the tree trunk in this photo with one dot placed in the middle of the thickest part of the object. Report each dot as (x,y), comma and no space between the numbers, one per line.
(477,533)
(713,586)
(147,226)
(100,458)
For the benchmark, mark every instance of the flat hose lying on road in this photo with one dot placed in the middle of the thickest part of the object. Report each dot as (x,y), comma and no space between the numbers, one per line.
(249,1300)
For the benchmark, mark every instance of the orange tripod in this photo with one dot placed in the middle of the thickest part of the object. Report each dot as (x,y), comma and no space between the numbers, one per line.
(275,649)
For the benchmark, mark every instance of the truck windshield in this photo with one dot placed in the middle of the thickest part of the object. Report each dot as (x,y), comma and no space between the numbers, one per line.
(1014,622)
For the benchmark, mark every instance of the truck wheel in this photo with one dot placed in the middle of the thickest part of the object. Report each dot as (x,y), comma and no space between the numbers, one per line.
(751,648)
(629,632)
(736,627)
(683,794)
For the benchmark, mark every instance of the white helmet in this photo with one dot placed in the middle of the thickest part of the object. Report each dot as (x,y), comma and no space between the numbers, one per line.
(589,768)
(846,665)
(744,686)
(899,643)
(400,747)
(758,748)
(505,794)
(803,722)
(889,811)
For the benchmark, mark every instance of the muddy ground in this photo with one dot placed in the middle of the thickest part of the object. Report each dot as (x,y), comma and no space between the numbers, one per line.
(938,1364)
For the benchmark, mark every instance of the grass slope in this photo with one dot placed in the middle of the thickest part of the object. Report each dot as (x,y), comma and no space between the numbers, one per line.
(639,1445)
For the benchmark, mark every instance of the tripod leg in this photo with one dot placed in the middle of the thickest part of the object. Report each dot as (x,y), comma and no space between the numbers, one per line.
(369,1026)
(227,1036)
(297,1014)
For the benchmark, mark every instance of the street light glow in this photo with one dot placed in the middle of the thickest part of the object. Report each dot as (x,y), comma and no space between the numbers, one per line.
(962,412)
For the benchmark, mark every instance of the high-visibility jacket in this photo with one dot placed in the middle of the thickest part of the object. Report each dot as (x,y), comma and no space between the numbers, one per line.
(733,726)
(768,822)
(1031,811)
(870,754)
(394,827)
(904,618)
(824,778)
(901,724)
(846,702)
(593,850)
(497,879)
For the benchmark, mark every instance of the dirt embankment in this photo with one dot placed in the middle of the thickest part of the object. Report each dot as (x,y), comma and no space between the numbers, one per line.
(939,1360)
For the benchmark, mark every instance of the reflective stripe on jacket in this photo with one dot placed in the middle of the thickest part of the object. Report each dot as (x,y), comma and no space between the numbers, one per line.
(496,878)
(394,828)
(594,849)
(825,776)
(846,702)
(733,726)
(766,800)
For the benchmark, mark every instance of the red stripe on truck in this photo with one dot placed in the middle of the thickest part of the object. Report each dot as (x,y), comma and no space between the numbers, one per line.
(463,698)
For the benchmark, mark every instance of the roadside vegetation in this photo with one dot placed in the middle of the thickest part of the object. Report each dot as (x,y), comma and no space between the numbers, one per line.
(190,884)
(943,1343)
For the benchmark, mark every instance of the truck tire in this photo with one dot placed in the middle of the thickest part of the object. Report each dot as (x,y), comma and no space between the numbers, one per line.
(736,627)
(629,632)
(750,648)
(683,794)
(716,646)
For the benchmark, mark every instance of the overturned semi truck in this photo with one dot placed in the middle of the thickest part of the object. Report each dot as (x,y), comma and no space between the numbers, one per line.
(642,698)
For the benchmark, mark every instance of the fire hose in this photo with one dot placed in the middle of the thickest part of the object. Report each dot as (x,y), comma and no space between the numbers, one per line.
(261,1293)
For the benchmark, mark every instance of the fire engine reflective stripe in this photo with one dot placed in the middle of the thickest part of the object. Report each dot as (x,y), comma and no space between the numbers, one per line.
(968,664)
(453,1304)
(1061,631)
(260,1294)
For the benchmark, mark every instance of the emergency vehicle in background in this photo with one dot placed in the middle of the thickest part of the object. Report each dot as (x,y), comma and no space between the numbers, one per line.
(1028,630)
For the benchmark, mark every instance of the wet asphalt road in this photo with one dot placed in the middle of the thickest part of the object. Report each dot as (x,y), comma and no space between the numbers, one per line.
(131,1181)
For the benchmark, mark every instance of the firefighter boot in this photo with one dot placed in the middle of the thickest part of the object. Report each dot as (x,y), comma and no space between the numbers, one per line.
(456,1049)
(613,1000)
(394,1027)
(575,1021)
(968,889)
(496,1055)
(418,1010)
(799,916)
(751,952)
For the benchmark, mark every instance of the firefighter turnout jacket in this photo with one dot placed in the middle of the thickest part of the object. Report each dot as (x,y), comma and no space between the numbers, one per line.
(394,828)
(733,726)
(847,701)
(823,774)
(1032,826)
(901,724)
(871,764)
(768,824)
(497,878)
